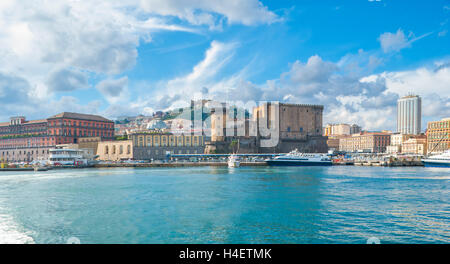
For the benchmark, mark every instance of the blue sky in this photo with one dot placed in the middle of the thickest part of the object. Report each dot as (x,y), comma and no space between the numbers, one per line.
(134,57)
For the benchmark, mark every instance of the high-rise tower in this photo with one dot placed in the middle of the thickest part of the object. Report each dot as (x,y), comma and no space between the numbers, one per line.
(409,115)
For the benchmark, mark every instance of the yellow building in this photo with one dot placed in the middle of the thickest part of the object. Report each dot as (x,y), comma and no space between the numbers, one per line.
(165,140)
(398,139)
(150,145)
(417,145)
(366,142)
(438,135)
(340,130)
(115,150)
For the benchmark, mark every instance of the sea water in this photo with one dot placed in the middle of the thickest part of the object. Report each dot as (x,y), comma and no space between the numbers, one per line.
(338,204)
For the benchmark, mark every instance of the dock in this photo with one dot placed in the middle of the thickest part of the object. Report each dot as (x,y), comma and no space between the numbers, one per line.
(175,164)
(24,169)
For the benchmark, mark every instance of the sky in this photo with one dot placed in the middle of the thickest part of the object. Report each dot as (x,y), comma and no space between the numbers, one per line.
(118,58)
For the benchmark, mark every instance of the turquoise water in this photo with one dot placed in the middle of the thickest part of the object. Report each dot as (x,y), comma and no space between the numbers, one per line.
(220,205)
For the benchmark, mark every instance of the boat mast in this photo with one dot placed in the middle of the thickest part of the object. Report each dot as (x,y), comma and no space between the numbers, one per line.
(435,145)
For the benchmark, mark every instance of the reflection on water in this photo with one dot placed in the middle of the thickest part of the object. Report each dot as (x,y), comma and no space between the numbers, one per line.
(221,205)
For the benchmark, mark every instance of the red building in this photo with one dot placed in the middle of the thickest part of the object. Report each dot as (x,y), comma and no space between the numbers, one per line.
(22,140)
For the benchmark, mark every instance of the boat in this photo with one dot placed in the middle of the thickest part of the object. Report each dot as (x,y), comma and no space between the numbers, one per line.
(233,161)
(295,158)
(39,168)
(440,160)
(67,157)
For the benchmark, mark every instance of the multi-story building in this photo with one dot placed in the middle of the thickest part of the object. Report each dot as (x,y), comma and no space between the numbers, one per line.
(341,130)
(157,146)
(397,139)
(333,142)
(335,132)
(25,141)
(416,145)
(150,146)
(438,136)
(374,142)
(393,149)
(409,115)
(406,144)
(68,127)
(355,129)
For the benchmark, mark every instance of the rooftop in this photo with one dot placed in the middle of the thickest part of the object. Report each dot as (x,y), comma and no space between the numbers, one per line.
(80,116)
(410,96)
(26,122)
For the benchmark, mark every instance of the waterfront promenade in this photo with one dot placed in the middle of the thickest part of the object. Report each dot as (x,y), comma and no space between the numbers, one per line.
(177,164)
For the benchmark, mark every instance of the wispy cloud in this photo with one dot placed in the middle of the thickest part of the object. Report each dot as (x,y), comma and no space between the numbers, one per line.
(397,41)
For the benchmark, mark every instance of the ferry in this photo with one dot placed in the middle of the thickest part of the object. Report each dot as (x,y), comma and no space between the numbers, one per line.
(233,161)
(441,160)
(295,158)
(64,157)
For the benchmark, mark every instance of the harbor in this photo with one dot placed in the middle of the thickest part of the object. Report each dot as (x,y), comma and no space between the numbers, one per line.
(217,204)
(187,163)
(257,159)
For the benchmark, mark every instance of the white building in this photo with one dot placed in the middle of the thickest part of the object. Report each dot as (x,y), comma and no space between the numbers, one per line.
(409,115)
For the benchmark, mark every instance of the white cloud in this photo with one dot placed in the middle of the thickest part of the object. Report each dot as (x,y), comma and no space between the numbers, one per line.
(348,95)
(114,90)
(204,74)
(13,89)
(66,80)
(393,41)
(432,84)
(314,81)
(204,12)
(57,45)
(443,33)
(424,81)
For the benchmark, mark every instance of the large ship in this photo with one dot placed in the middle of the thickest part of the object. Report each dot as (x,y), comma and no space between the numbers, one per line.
(441,160)
(60,157)
(295,158)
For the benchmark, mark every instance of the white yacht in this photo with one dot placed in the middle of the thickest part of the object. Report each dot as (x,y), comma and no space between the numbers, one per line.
(233,161)
(73,157)
(441,160)
(295,158)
